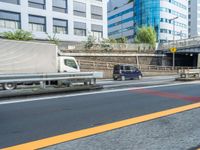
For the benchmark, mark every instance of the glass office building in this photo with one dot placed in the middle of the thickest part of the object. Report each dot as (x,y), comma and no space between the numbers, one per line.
(194,18)
(156,13)
(147,13)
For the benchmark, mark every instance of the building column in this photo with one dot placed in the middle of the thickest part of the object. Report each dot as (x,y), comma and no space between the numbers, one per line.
(198,61)
(49,19)
(24,16)
(70,19)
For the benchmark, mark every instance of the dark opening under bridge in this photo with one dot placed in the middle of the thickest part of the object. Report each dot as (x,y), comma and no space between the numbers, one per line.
(188,51)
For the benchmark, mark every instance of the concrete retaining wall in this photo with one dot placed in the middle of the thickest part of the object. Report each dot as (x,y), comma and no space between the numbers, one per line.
(108,73)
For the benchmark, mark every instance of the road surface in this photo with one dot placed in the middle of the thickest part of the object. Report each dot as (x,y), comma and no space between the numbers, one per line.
(31,119)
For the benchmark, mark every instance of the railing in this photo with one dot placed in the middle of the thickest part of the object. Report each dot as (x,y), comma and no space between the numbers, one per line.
(100,65)
(108,47)
(189,73)
(191,42)
(42,78)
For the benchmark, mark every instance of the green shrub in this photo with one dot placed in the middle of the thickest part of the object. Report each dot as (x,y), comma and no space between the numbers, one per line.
(18,35)
(90,42)
(53,39)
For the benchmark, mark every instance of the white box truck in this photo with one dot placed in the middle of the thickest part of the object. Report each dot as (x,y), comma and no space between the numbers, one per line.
(20,57)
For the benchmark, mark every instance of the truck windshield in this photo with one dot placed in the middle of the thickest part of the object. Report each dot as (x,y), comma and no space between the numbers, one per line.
(70,63)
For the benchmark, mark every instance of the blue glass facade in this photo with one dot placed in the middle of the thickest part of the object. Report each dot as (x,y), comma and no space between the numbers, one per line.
(147,13)
(155,13)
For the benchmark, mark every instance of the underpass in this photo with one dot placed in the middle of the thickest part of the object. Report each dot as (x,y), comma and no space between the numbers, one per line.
(187,52)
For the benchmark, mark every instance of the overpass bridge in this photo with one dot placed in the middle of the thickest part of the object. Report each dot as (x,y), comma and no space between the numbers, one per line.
(188,51)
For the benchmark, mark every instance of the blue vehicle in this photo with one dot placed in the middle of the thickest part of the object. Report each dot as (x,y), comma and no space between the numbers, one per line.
(124,71)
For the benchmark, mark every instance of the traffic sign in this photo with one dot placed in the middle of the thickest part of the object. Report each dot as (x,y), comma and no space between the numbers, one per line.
(173,49)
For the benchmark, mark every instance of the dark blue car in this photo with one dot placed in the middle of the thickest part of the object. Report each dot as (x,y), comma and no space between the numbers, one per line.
(124,71)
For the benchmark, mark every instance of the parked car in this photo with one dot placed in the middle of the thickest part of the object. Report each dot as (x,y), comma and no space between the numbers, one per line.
(125,71)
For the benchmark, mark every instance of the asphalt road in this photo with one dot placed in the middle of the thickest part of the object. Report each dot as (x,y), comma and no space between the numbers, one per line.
(176,132)
(107,84)
(41,118)
(35,91)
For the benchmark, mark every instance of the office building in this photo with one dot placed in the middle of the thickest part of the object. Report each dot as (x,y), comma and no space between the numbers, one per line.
(168,17)
(194,18)
(68,20)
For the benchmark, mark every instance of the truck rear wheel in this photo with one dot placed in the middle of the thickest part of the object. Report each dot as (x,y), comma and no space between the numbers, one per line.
(9,86)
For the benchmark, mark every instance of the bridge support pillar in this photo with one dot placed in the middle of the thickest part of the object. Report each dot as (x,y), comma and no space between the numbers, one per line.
(198,61)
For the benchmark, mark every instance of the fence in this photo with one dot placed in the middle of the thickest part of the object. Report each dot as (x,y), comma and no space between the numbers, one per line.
(108,47)
(195,41)
(99,65)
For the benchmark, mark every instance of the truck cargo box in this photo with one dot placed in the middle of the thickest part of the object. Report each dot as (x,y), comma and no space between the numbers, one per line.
(27,57)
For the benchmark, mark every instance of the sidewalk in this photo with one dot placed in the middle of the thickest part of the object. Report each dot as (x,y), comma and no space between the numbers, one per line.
(177,132)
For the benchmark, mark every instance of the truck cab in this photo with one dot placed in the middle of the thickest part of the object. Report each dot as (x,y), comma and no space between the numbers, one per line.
(68,64)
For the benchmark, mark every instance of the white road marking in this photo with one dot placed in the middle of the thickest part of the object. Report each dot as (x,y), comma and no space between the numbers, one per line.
(92,93)
(136,83)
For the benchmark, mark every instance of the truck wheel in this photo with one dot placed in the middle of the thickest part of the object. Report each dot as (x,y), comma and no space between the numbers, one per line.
(115,79)
(9,86)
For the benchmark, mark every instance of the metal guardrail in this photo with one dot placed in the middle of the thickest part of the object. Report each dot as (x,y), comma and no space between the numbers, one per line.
(189,73)
(42,78)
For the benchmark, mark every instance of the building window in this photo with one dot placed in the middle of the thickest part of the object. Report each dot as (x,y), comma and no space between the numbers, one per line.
(37,23)
(11,1)
(97,31)
(96,12)
(60,6)
(79,9)
(10,20)
(79,29)
(60,26)
(37,4)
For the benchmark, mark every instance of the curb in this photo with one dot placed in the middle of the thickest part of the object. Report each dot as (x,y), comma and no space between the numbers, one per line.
(187,79)
(39,91)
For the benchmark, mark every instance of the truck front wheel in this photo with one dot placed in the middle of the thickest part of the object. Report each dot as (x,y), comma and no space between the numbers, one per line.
(9,86)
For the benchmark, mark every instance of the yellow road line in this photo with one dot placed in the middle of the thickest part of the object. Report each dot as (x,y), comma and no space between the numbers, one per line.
(99,129)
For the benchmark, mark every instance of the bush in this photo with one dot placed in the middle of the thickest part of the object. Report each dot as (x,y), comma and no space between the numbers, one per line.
(90,42)
(53,39)
(106,45)
(18,35)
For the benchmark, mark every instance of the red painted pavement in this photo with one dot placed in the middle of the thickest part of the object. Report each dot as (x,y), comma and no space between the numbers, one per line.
(168,95)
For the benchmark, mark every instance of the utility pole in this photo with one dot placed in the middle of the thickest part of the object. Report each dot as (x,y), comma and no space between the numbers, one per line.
(173,19)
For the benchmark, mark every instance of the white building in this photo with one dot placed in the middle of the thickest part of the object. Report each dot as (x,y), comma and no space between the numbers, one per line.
(120,21)
(68,20)
(156,13)
(194,18)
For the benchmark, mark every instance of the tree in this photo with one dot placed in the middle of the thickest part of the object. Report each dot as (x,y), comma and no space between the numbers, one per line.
(18,35)
(130,1)
(122,40)
(112,41)
(106,44)
(146,35)
(90,42)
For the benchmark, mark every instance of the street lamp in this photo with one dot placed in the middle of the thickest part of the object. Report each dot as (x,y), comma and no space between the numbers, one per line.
(173,19)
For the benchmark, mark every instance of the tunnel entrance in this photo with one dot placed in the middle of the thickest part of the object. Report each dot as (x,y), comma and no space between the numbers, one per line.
(184,59)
